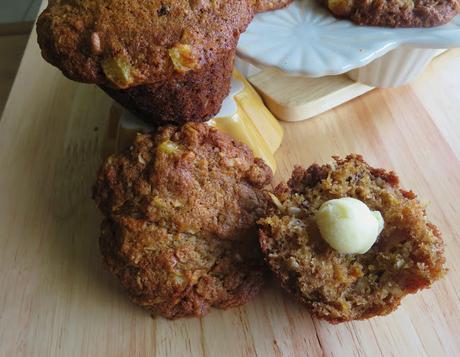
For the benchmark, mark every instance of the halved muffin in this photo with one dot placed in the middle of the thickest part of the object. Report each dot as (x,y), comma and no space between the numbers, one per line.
(407,256)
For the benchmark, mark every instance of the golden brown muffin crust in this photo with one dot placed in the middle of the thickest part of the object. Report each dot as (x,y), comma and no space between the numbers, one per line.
(395,13)
(268,5)
(407,256)
(194,96)
(124,43)
(180,231)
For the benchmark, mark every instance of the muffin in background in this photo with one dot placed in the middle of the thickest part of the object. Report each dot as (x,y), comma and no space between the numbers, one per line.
(395,13)
(167,61)
(268,5)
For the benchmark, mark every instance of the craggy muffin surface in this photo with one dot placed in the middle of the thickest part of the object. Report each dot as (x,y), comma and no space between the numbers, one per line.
(395,13)
(180,209)
(267,5)
(125,43)
(169,62)
(407,256)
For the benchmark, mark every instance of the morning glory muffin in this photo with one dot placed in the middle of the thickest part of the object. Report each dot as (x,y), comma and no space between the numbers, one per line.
(406,257)
(395,13)
(167,61)
(180,212)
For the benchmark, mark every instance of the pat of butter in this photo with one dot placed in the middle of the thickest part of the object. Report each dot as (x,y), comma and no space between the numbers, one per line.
(348,225)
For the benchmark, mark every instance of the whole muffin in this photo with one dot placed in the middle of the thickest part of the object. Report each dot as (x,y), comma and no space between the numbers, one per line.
(163,60)
(395,13)
(180,232)
(407,256)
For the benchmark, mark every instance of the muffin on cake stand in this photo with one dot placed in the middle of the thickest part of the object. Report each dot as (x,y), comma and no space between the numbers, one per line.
(304,61)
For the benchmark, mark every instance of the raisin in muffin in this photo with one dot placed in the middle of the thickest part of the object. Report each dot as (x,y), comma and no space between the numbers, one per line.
(167,61)
(407,256)
(395,13)
(180,209)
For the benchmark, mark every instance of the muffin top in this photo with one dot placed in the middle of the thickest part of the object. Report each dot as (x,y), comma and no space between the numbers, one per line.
(407,256)
(124,43)
(190,178)
(395,13)
(181,207)
(267,5)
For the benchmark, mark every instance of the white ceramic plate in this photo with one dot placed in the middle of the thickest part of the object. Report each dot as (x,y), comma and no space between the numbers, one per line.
(305,38)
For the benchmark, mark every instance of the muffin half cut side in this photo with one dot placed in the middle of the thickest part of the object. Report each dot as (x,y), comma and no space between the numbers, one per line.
(407,255)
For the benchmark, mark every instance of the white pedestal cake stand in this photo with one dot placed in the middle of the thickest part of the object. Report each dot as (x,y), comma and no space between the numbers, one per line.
(303,61)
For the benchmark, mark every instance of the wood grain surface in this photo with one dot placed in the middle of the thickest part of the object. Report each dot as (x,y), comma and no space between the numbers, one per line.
(11,50)
(56,299)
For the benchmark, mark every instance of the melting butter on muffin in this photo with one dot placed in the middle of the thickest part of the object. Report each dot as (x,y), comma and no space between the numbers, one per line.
(348,225)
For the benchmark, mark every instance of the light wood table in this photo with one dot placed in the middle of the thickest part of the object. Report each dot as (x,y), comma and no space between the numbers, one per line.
(56,299)
(11,49)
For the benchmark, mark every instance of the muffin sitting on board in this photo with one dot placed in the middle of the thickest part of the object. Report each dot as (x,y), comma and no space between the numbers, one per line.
(180,209)
(395,13)
(167,61)
(348,242)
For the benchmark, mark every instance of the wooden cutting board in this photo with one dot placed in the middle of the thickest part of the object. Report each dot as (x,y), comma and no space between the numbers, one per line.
(56,299)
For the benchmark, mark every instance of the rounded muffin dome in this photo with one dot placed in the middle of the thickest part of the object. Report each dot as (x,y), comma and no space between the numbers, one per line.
(395,13)
(166,61)
(122,44)
(180,209)
(267,5)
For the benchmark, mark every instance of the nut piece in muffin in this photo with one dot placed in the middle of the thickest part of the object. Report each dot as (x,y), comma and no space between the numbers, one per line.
(407,256)
(268,5)
(180,209)
(395,13)
(167,61)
